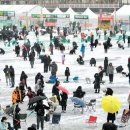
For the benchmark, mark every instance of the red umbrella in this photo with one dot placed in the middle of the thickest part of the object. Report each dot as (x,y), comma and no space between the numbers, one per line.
(63,89)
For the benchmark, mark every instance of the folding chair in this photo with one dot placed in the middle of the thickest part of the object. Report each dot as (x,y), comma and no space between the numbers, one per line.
(9,110)
(56,120)
(23,117)
(91,105)
(78,107)
(92,120)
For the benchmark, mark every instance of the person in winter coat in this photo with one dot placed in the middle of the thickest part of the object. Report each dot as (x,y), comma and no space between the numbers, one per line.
(105,47)
(46,60)
(110,71)
(82,50)
(22,89)
(39,76)
(129,64)
(23,78)
(92,42)
(7,74)
(55,90)
(54,68)
(62,48)
(67,74)
(109,126)
(38,86)
(16,118)
(80,60)
(105,65)
(64,98)
(111,116)
(79,92)
(97,83)
(101,71)
(16,96)
(124,37)
(129,101)
(30,95)
(17,49)
(24,54)
(109,91)
(42,47)
(33,127)
(128,75)
(40,110)
(12,76)
(32,58)
(51,48)
(63,59)
(128,41)
(3,123)
(37,48)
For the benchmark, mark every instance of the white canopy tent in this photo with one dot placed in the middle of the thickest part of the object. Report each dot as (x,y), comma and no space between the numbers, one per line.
(57,11)
(45,11)
(71,12)
(123,13)
(5,7)
(93,18)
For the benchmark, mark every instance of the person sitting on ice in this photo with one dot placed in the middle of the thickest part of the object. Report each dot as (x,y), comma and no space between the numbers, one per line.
(80,60)
(79,92)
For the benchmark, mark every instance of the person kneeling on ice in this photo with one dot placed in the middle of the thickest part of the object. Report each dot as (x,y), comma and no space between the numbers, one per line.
(80,60)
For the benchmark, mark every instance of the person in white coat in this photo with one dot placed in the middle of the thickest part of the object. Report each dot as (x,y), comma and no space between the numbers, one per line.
(63,59)
(38,86)
(3,124)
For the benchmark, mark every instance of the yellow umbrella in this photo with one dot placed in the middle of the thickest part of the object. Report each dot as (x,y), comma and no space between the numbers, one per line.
(110,104)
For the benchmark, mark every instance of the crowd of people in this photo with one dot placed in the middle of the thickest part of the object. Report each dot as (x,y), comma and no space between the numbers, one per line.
(58,98)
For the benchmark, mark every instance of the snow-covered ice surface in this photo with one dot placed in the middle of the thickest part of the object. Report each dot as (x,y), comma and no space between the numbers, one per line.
(70,120)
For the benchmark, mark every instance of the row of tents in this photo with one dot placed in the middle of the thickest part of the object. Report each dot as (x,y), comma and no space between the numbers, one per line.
(26,13)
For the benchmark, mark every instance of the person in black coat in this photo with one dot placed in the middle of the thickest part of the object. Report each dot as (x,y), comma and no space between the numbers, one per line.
(128,41)
(17,49)
(12,76)
(124,37)
(46,60)
(22,89)
(80,60)
(105,65)
(32,58)
(105,47)
(109,91)
(40,110)
(67,73)
(64,98)
(96,42)
(16,118)
(97,83)
(79,92)
(55,91)
(92,42)
(129,64)
(23,78)
(109,126)
(24,53)
(111,116)
(39,76)
(128,75)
